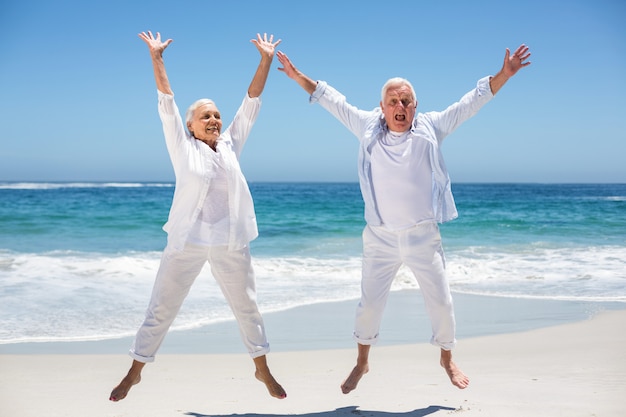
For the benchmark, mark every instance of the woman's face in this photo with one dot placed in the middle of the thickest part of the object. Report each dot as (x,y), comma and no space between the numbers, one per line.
(206,123)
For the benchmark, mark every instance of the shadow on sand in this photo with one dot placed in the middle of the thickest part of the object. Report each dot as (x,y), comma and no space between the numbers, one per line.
(342,412)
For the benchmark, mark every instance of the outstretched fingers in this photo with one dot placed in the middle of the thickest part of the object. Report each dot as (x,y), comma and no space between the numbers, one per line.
(287,67)
(154,42)
(522,54)
(264,45)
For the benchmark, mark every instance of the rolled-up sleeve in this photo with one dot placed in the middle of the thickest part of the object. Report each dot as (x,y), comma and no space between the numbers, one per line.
(319,92)
(244,119)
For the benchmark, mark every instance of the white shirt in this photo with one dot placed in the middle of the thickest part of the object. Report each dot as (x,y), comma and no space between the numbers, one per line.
(195,175)
(431,127)
(212,226)
(401,181)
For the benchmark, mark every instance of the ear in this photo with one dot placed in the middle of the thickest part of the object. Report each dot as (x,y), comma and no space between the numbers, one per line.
(189,128)
(381,105)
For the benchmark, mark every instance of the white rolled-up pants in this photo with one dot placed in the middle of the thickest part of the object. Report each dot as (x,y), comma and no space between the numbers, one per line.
(419,248)
(178,270)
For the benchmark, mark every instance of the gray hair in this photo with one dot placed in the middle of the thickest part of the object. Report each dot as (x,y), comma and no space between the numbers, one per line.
(194,106)
(396,81)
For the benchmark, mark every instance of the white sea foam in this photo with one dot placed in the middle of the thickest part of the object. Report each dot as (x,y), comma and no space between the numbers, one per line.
(589,274)
(86,296)
(59,185)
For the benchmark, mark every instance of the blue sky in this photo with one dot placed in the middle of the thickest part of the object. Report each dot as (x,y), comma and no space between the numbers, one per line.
(79,99)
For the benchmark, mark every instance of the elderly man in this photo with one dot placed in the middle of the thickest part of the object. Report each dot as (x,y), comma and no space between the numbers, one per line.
(406,189)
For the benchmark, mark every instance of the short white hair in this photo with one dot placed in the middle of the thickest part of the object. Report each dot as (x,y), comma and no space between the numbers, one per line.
(396,81)
(194,106)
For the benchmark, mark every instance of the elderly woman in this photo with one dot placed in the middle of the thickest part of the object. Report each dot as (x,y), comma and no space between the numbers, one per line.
(211,219)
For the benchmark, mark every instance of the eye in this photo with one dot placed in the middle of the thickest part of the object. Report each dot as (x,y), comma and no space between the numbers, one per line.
(406,102)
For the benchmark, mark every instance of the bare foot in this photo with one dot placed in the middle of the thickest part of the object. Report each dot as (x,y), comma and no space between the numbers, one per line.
(133,377)
(121,391)
(458,378)
(275,389)
(353,379)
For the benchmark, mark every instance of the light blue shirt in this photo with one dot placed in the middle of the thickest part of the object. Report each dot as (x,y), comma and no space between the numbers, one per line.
(370,127)
(194,174)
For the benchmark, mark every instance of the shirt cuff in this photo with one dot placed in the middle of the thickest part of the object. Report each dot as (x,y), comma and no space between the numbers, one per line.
(319,92)
(252,99)
(166,104)
(483,87)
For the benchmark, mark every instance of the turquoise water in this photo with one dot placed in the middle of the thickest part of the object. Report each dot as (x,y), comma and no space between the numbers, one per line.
(77,260)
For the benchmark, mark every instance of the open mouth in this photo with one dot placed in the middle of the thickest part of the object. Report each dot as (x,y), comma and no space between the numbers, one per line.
(400,117)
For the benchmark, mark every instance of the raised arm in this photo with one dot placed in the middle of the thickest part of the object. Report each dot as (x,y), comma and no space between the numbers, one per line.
(156,52)
(292,72)
(266,48)
(512,64)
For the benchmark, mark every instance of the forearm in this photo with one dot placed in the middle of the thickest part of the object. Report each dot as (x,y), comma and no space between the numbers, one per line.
(497,81)
(308,84)
(160,75)
(260,77)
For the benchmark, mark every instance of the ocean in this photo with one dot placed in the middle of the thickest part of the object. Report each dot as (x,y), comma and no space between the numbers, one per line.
(77,260)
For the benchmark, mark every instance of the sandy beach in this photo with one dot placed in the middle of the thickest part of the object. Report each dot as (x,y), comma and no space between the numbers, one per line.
(572,369)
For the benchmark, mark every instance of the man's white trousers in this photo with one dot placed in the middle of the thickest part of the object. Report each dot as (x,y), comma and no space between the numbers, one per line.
(419,248)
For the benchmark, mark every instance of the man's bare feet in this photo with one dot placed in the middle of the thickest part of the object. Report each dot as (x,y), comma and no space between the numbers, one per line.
(361,368)
(264,375)
(353,379)
(458,378)
(132,378)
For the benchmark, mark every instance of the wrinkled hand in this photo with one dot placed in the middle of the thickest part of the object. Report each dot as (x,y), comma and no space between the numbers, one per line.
(266,47)
(154,43)
(288,68)
(513,63)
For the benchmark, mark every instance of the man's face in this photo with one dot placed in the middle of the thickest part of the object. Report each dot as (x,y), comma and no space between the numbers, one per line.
(206,123)
(398,108)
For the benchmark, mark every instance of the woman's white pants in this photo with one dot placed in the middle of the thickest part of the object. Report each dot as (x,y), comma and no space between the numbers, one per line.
(178,270)
(419,248)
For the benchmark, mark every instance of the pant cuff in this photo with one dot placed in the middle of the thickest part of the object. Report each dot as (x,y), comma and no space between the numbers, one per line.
(139,358)
(257,353)
(443,345)
(362,341)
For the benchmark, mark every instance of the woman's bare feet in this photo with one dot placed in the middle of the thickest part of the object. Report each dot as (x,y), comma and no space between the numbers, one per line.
(458,378)
(132,378)
(264,375)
